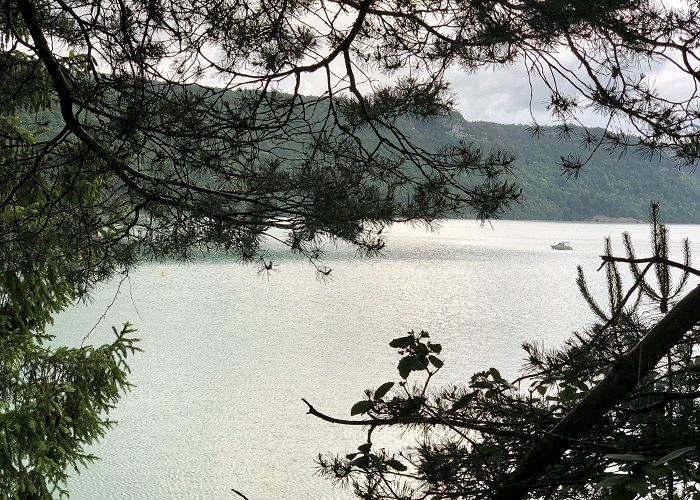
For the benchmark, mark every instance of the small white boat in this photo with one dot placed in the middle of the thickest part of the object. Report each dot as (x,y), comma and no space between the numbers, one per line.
(562,245)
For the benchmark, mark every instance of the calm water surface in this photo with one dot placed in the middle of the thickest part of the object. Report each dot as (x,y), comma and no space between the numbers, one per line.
(229,353)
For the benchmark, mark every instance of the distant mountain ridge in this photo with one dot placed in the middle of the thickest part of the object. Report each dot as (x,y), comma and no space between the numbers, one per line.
(610,186)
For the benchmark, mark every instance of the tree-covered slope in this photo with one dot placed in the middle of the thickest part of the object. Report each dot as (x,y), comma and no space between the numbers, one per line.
(608,185)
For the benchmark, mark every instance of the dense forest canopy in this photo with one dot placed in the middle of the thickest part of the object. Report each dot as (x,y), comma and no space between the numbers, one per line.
(612,185)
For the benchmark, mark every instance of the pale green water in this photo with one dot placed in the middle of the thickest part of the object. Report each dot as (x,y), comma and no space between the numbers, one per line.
(229,353)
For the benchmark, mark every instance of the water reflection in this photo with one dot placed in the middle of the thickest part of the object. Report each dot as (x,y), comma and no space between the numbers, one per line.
(229,353)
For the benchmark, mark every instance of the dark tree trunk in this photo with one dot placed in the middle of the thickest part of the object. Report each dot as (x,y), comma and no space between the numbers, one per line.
(624,377)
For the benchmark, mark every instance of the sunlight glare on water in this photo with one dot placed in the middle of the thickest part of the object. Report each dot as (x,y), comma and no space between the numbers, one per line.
(229,353)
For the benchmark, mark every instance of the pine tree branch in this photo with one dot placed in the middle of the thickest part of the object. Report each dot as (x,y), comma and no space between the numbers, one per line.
(239,494)
(624,377)
(601,333)
(441,421)
(652,260)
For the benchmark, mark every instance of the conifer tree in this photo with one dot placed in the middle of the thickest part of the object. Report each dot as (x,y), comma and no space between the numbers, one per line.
(116,144)
(611,414)
(54,401)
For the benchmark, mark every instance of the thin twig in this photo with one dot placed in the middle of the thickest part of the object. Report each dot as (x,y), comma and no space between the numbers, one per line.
(386,422)
(104,314)
(240,494)
(650,260)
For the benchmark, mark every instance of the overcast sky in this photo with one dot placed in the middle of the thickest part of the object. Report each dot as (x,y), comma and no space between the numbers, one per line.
(504,95)
(501,96)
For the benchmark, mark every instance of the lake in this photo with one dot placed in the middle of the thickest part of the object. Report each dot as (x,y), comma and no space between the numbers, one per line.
(229,352)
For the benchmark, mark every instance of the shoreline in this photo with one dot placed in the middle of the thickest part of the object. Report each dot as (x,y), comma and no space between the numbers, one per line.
(615,220)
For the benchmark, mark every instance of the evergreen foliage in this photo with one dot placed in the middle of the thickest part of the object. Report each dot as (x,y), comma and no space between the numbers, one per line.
(553,433)
(150,162)
(59,238)
(611,185)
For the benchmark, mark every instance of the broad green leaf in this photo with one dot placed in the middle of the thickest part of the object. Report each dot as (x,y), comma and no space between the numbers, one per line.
(412,406)
(362,462)
(581,386)
(402,342)
(437,362)
(382,390)
(656,471)
(364,448)
(567,394)
(409,364)
(674,454)
(482,384)
(361,407)
(495,374)
(396,465)
(421,350)
(612,481)
(464,401)
(626,457)
(436,348)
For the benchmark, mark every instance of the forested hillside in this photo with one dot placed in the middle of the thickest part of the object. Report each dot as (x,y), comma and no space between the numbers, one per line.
(608,185)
